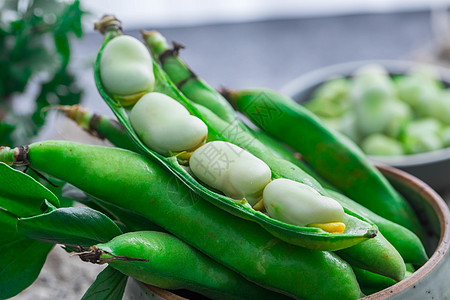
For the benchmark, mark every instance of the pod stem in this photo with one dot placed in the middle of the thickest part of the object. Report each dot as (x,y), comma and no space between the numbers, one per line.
(159,46)
(98,256)
(172,52)
(107,23)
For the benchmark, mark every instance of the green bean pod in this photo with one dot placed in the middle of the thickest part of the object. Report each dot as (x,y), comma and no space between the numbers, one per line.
(138,184)
(309,237)
(155,258)
(332,155)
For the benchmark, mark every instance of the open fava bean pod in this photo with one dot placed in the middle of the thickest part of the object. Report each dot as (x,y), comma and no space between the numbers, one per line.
(358,229)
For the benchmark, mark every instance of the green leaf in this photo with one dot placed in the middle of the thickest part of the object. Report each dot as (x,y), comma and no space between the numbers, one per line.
(63,48)
(21,259)
(126,219)
(21,195)
(72,226)
(21,263)
(25,53)
(110,284)
(72,19)
(8,223)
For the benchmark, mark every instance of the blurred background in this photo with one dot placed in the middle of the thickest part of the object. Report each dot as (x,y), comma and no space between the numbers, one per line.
(229,43)
(47,49)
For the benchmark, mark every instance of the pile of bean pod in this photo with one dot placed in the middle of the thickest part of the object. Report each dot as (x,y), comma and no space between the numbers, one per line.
(239,214)
(387,116)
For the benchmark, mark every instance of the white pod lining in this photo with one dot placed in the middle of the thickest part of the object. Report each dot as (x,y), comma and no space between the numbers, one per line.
(165,125)
(230,169)
(126,67)
(298,204)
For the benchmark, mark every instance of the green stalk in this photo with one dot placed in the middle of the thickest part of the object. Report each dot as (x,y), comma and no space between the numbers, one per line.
(99,126)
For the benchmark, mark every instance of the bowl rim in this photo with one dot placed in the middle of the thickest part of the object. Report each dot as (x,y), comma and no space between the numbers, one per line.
(443,213)
(318,76)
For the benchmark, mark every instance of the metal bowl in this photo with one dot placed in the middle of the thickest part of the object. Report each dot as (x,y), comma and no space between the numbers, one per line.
(431,167)
(428,282)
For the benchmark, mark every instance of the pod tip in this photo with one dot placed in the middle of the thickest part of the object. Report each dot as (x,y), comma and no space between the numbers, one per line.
(228,95)
(92,256)
(148,33)
(371,233)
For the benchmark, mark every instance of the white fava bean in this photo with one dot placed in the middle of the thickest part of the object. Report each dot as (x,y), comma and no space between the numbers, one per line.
(298,204)
(230,169)
(165,125)
(126,68)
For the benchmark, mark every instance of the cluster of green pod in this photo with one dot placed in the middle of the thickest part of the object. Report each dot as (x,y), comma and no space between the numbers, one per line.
(178,134)
(387,116)
(198,87)
(405,241)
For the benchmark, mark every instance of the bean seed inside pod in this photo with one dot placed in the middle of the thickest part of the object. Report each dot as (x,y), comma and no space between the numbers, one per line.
(165,125)
(126,69)
(298,204)
(231,169)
